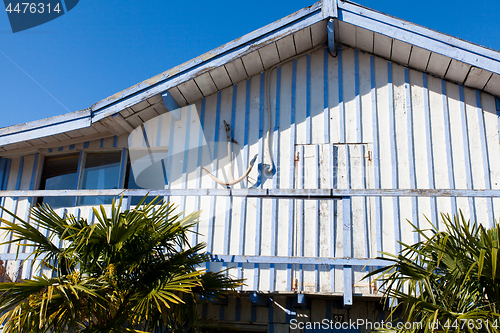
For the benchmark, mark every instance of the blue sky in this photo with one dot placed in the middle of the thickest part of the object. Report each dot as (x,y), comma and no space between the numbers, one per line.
(102,47)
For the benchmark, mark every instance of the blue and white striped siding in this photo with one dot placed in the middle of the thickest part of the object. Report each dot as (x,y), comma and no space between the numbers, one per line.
(331,113)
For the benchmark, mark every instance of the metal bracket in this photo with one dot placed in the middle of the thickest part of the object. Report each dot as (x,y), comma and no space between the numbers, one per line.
(259,299)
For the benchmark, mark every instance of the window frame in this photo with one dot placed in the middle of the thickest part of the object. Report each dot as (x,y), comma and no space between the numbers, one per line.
(82,158)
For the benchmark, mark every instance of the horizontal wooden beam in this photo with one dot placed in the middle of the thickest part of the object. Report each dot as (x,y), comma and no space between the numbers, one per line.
(265,260)
(42,128)
(319,194)
(40,148)
(237,259)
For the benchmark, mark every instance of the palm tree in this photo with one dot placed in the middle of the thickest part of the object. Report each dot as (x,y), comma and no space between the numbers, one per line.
(449,281)
(132,270)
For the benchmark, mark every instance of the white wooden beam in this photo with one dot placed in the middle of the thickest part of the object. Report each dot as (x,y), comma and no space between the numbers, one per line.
(305,194)
(420,36)
(329,8)
(45,127)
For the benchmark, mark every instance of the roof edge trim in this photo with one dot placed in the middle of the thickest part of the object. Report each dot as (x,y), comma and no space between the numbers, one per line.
(101,111)
(215,53)
(45,127)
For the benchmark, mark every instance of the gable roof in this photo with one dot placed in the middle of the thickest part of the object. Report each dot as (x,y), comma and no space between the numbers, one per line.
(350,24)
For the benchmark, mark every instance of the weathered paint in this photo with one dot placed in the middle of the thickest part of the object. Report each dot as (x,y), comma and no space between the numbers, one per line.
(448,57)
(395,142)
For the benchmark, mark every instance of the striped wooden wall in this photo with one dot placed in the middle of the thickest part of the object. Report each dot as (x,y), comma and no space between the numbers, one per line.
(350,122)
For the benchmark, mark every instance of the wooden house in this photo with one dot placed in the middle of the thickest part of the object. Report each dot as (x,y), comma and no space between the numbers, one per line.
(359,122)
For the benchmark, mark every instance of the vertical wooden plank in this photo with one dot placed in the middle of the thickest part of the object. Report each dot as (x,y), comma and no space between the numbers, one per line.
(402,148)
(489,106)
(229,200)
(283,155)
(342,122)
(449,147)
(376,157)
(395,171)
(349,95)
(185,159)
(299,184)
(233,205)
(430,157)
(301,101)
(455,109)
(420,146)
(466,147)
(316,203)
(308,100)
(244,204)
(361,202)
(291,181)
(384,151)
(215,168)
(326,101)
(199,165)
(347,238)
(411,152)
(317,98)
(357,99)
(207,120)
(276,156)
(367,156)
(258,228)
(486,158)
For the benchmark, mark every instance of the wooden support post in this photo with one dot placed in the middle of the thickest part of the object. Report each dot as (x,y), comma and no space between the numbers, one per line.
(330,29)
(171,105)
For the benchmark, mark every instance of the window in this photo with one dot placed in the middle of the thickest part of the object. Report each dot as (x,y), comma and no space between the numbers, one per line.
(59,173)
(131,184)
(100,171)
